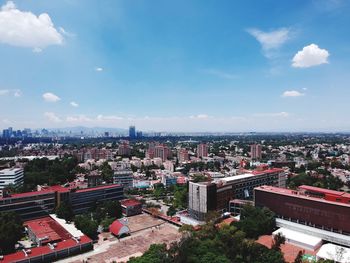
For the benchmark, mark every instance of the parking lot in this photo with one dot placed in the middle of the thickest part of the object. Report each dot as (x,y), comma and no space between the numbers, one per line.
(145,230)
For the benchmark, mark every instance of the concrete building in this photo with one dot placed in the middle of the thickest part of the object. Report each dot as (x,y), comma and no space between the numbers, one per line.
(161,151)
(124,178)
(124,149)
(132,132)
(202,150)
(215,195)
(11,176)
(131,207)
(54,240)
(255,151)
(37,204)
(182,155)
(302,210)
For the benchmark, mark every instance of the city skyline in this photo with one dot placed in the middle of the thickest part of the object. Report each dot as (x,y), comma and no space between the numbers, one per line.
(181,66)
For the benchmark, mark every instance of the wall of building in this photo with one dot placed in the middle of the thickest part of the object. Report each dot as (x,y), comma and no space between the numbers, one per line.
(326,215)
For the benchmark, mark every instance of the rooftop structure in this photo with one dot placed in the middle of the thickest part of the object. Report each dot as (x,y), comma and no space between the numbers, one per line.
(53,240)
(334,252)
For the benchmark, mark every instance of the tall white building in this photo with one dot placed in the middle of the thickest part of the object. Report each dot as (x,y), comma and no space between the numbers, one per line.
(11,176)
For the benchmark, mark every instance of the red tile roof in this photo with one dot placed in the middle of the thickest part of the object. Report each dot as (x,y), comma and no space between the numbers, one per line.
(43,250)
(130,202)
(97,188)
(321,190)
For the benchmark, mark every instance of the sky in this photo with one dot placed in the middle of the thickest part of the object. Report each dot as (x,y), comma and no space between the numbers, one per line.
(184,65)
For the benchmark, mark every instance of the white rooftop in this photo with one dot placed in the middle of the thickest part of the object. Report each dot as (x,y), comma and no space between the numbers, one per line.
(299,237)
(334,252)
(237,177)
(70,228)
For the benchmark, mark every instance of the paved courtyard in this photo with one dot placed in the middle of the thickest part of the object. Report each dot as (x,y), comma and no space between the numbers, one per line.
(145,230)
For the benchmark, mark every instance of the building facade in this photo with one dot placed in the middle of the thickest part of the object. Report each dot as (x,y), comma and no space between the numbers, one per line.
(124,178)
(223,190)
(255,151)
(202,150)
(11,177)
(300,207)
(36,204)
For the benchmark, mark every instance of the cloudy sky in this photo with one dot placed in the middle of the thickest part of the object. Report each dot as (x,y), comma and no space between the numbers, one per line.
(184,65)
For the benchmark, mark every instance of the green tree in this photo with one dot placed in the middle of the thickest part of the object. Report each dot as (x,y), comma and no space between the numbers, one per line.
(157,253)
(87,225)
(64,210)
(11,230)
(299,257)
(256,221)
(106,172)
(180,197)
(278,240)
(171,211)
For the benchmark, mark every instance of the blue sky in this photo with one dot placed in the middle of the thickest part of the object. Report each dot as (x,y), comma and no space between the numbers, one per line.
(176,65)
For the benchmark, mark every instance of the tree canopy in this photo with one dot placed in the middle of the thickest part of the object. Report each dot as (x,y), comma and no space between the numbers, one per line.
(11,230)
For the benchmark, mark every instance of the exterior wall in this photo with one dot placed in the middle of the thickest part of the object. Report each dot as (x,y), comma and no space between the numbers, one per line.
(82,201)
(132,210)
(13,176)
(29,207)
(224,195)
(197,198)
(329,216)
(124,178)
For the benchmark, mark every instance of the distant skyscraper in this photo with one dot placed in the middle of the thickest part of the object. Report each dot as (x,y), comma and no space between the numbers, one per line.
(139,134)
(132,132)
(202,150)
(255,151)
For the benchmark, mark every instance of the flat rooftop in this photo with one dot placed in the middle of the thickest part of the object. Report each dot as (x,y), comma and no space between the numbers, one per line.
(296,194)
(324,191)
(237,177)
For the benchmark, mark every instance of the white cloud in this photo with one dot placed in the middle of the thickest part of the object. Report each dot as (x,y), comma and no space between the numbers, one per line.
(25,29)
(219,73)
(98,69)
(12,92)
(50,97)
(66,33)
(199,116)
(292,93)
(78,118)
(74,104)
(108,118)
(4,92)
(52,117)
(282,114)
(309,56)
(270,40)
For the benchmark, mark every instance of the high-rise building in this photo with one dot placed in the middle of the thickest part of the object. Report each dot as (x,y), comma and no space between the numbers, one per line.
(150,150)
(132,132)
(202,150)
(161,151)
(255,151)
(124,149)
(182,155)
(139,134)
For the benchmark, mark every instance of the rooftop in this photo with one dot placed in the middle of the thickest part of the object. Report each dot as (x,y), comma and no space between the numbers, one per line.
(130,202)
(297,194)
(322,190)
